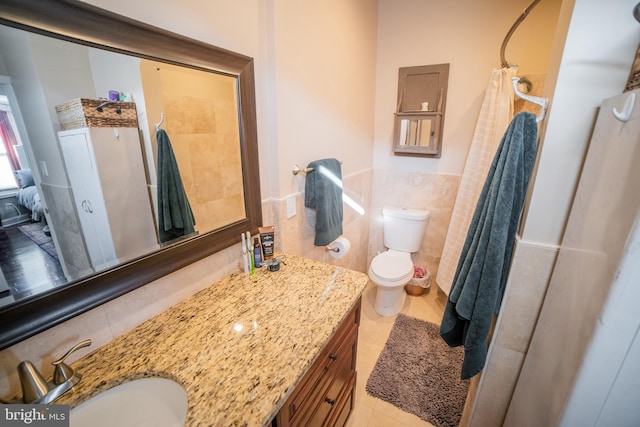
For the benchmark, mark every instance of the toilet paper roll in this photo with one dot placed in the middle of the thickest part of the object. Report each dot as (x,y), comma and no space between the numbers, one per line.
(339,247)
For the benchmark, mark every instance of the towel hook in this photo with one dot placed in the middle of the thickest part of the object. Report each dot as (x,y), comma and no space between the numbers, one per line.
(157,126)
(625,114)
(542,102)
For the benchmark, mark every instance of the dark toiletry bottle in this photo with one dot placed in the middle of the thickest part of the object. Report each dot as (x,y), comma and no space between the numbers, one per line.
(257,253)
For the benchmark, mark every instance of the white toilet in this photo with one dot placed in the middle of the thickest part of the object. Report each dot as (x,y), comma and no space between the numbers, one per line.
(403,234)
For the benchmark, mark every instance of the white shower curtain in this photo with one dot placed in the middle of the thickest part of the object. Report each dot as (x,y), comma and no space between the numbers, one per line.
(495,115)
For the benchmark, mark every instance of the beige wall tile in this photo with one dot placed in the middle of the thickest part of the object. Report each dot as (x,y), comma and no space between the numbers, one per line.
(526,287)
(48,346)
(496,387)
(297,233)
(528,280)
(433,192)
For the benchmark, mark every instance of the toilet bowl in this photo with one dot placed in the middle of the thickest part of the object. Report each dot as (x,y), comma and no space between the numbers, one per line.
(403,231)
(390,271)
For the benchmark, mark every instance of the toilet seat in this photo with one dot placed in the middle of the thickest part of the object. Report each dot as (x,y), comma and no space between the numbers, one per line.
(391,268)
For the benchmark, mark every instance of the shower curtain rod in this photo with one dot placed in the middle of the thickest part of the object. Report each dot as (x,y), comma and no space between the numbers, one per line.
(503,60)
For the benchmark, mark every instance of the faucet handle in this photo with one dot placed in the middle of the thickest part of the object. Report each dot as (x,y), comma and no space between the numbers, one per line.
(62,371)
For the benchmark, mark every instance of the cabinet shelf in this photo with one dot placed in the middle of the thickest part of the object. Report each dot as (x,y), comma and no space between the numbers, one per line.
(418,113)
(418,130)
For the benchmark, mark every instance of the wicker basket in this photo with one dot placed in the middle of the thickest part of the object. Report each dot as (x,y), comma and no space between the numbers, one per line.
(417,286)
(634,76)
(83,112)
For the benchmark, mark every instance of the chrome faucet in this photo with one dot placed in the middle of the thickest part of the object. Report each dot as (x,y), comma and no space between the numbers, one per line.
(35,389)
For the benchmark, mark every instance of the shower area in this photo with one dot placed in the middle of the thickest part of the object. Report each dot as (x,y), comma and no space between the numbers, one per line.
(555,61)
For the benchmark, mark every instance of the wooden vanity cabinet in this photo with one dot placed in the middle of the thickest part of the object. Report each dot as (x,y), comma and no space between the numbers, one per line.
(325,395)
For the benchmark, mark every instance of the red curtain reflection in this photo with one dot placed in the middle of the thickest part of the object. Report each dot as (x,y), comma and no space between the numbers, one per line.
(9,140)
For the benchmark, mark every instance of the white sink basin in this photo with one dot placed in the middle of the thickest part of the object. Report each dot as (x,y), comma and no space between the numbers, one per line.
(147,402)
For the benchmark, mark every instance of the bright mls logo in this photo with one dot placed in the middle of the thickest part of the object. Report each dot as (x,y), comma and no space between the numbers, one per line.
(35,415)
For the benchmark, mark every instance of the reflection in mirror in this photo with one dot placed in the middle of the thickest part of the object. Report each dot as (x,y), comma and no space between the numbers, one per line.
(79,186)
(416,132)
(201,118)
(59,82)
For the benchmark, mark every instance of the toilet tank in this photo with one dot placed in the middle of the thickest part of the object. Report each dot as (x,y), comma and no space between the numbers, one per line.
(404,228)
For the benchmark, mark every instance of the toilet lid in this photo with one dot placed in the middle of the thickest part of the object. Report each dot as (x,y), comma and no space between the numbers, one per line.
(392,265)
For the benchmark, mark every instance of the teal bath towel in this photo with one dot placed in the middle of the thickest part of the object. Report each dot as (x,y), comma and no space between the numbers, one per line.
(323,192)
(175,217)
(481,275)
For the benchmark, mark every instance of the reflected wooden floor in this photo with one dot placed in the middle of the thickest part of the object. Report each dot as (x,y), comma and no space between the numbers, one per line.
(27,268)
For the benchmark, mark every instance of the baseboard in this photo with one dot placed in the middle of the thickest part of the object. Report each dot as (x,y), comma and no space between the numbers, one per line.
(8,222)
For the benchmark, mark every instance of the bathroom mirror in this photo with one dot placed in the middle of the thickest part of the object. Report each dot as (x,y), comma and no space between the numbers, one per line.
(419,117)
(88,26)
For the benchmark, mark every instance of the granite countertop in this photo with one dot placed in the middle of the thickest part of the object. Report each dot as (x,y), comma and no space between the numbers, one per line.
(238,347)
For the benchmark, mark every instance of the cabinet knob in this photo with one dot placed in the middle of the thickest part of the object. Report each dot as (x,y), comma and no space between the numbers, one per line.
(330,401)
(333,357)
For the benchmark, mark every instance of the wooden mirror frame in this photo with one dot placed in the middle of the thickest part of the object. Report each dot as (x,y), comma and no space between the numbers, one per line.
(88,25)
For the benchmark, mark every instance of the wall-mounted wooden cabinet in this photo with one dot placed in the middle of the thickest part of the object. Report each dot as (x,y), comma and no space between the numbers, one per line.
(419,118)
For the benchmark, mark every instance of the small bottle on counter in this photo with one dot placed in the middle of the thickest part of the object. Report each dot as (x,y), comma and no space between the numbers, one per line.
(257,253)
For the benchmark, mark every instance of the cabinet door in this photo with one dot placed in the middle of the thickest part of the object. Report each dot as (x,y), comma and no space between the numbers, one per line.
(117,155)
(87,194)
(324,395)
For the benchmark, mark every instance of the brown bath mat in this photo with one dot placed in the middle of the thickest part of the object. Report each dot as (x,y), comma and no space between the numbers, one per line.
(419,373)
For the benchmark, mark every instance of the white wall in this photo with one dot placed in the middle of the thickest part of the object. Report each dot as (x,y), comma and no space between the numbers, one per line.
(607,388)
(323,64)
(236,26)
(37,103)
(112,71)
(594,64)
(468,35)
(315,73)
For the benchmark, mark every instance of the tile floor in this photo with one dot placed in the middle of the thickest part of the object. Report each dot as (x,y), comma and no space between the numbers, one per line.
(372,336)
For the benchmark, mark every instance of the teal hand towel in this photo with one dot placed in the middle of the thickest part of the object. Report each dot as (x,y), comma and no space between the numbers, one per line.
(175,217)
(481,274)
(323,192)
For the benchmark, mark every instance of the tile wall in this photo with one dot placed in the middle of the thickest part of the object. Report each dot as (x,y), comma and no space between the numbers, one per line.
(372,190)
(295,235)
(529,276)
(435,193)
